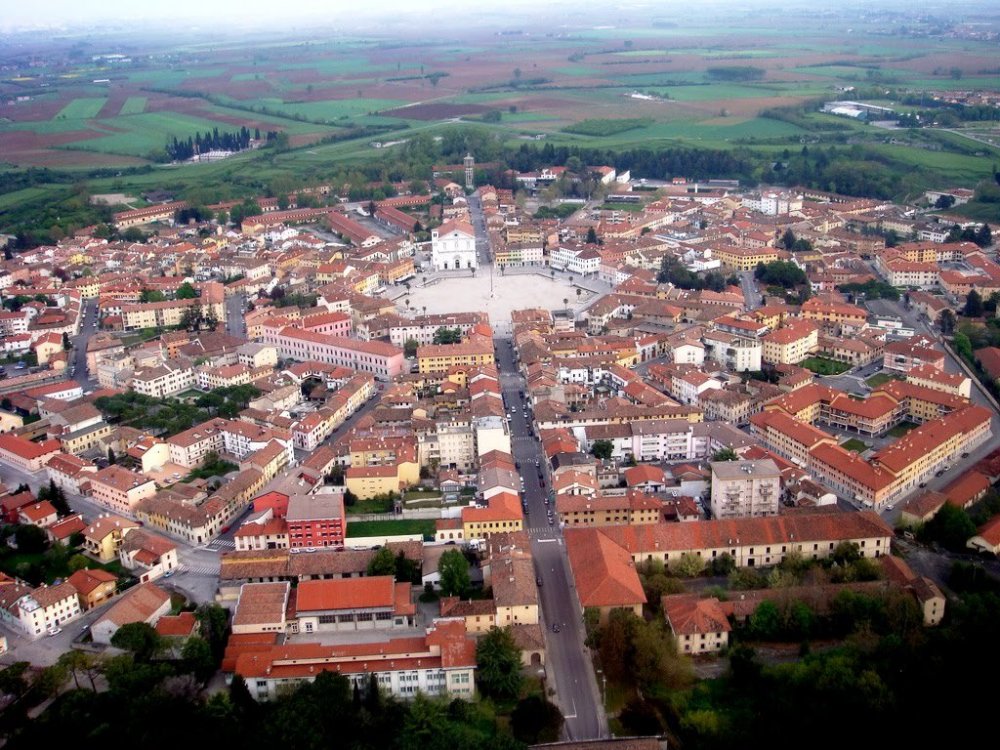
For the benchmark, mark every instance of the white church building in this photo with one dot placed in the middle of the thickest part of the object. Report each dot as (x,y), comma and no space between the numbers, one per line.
(453,245)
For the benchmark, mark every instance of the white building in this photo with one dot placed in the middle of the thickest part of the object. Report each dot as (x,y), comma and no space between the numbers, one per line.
(745,489)
(453,245)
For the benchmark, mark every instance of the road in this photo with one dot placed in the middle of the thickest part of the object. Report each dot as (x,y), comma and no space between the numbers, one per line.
(751,296)
(235,325)
(483,258)
(88,321)
(568,666)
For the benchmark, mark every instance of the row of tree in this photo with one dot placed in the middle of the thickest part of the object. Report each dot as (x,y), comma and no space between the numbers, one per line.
(238,140)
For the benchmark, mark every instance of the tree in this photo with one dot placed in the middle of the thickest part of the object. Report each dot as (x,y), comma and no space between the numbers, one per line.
(198,659)
(140,638)
(951,526)
(152,295)
(602,449)
(445,335)
(78,663)
(592,236)
(846,553)
(973,305)
(535,720)
(213,621)
(725,454)
(498,662)
(946,321)
(30,539)
(944,201)
(112,459)
(722,565)
(689,565)
(454,570)
(186,291)
(66,343)
(57,497)
(410,347)
(383,563)
(765,622)
(962,344)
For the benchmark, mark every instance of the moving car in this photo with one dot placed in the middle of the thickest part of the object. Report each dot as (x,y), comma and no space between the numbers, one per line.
(555,627)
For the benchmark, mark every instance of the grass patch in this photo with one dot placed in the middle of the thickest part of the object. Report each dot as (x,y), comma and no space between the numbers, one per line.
(880,379)
(374,505)
(858,446)
(901,429)
(824,366)
(603,128)
(390,528)
(82,109)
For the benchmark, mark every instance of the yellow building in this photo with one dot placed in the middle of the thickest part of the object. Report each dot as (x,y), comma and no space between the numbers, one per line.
(368,481)
(438,357)
(105,535)
(633,508)
(790,344)
(502,514)
(743,258)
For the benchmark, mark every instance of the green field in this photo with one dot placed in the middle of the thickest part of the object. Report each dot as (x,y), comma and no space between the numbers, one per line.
(328,110)
(602,128)
(901,429)
(824,366)
(389,528)
(880,379)
(134,105)
(81,109)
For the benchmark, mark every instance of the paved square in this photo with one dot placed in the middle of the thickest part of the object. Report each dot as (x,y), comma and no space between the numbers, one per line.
(511,292)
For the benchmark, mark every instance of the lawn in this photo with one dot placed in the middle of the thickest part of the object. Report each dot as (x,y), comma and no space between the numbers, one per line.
(331,109)
(901,429)
(858,446)
(880,379)
(389,528)
(81,109)
(150,131)
(823,366)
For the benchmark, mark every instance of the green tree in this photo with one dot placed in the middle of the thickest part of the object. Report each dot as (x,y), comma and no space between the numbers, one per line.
(689,565)
(722,565)
(410,347)
(951,526)
(765,622)
(946,321)
(498,662)
(112,458)
(30,540)
(592,237)
(846,553)
(383,563)
(445,335)
(602,449)
(198,659)
(454,570)
(407,570)
(213,624)
(152,295)
(725,454)
(186,291)
(962,344)
(140,638)
(973,305)
(81,663)
(535,720)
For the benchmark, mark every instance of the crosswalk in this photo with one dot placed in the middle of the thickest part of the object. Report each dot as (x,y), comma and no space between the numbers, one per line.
(205,569)
(222,544)
(544,531)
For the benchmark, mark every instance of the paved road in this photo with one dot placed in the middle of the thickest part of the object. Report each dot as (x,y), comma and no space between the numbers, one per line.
(483,257)
(568,666)
(751,296)
(235,325)
(88,320)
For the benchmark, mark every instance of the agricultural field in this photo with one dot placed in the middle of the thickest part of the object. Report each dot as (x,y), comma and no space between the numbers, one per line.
(715,83)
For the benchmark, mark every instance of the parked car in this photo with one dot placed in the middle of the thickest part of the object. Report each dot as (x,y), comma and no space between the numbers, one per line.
(55,631)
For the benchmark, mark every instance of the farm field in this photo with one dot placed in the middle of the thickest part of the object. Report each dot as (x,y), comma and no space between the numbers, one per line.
(718,82)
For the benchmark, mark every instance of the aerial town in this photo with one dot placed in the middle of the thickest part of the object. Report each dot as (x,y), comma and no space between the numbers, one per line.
(615,459)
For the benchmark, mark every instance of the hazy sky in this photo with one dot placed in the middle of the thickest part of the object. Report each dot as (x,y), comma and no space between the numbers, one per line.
(70,12)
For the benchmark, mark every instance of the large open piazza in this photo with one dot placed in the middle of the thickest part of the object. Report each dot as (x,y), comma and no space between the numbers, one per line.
(514,291)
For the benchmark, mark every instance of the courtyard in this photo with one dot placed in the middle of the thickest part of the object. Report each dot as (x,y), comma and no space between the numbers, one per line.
(515,291)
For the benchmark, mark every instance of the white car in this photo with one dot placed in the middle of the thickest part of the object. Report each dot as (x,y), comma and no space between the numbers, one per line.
(55,630)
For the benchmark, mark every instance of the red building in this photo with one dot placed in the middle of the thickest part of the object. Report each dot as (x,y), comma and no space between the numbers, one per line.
(276,501)
(316,521)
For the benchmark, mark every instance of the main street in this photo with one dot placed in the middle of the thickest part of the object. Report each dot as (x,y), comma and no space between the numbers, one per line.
(568,666)
(88,325)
